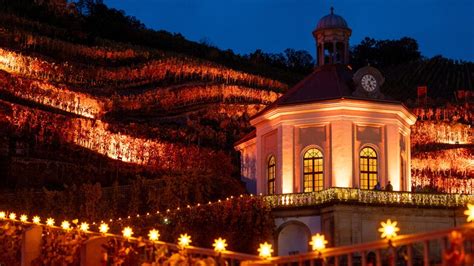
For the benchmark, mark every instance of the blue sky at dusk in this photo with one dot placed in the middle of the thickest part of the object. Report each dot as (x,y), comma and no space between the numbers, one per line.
(440,26)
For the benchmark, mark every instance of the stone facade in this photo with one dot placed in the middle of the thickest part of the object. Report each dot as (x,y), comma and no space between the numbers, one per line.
(349,224)
(339,129)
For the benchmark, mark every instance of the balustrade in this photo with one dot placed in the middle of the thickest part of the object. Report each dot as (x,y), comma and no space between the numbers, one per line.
(353,195)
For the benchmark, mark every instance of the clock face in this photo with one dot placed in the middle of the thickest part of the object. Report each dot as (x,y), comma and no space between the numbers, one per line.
(369,83)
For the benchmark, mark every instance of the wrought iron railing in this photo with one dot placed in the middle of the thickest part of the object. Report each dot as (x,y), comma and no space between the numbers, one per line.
(352,195)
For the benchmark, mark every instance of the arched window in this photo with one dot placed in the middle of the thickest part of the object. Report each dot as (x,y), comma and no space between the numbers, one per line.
(313,170)
(368,168)
(271,171)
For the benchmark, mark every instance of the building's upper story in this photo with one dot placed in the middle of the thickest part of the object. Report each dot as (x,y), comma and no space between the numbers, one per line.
(333,129)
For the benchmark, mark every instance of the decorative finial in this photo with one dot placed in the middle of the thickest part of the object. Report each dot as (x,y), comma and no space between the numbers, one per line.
(332,10)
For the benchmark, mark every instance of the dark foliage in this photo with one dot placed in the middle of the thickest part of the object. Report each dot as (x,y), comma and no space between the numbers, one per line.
(383,53)
(442,76)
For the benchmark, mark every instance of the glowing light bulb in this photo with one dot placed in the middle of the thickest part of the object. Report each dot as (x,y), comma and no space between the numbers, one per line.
(103,228)
(36,219)
(470,213)
(265,250)
(12,216)
(84,227)
(23,218)
(184,240)
(220,245)
(65,225)
(127,232)
(318,242)
(154,235)
(3,215)
(50,221)
(389,229)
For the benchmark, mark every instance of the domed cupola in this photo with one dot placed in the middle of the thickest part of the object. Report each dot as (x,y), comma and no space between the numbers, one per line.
(332,21)
(332,40)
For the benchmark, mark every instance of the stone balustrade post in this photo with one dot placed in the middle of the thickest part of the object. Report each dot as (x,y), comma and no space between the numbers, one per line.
(31,244)
(92,253)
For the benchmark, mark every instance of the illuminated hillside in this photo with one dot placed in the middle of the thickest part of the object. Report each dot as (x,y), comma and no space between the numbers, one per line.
(74,113)
(138,111)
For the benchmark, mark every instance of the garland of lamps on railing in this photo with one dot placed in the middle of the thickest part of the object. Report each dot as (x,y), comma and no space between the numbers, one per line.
(341,194)
(318,242)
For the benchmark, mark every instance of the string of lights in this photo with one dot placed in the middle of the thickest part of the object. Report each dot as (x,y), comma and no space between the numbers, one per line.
(184,240)
(275,200)
(388,230)
(318,242)
(168,212)
(324,196)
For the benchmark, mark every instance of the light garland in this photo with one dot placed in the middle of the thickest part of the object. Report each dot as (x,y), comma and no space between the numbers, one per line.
(84,227)
(154,235)
(127,232)
(265,250)
(177,209)
(66,225)
(23,218)
(50,222)
(389,229)
(470,213)
(318,243)
(184,240)
(103,228)
(220,245)
(36,219)
(329,194)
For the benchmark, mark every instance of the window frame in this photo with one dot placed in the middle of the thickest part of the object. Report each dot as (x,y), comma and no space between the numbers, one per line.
(315,180)
(271,175)
(372,176)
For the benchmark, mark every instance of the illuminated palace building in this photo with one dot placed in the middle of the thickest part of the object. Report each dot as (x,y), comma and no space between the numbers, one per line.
(325,148)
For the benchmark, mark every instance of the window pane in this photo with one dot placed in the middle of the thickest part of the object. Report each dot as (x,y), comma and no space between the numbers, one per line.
(271,167)
(368,168)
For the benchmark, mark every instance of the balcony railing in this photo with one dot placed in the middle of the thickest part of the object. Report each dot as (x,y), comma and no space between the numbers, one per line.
(445,247)
(352,195)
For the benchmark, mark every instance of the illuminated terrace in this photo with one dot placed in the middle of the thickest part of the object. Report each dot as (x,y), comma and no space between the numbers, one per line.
(373,197)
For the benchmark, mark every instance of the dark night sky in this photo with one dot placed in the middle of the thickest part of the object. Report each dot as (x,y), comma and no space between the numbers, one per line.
(440,26)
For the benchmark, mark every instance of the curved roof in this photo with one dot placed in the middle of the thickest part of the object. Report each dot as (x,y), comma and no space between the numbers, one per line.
(332,21)
(326,82)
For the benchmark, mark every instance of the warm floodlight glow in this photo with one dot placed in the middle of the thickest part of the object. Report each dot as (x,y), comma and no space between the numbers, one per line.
(3,215)
(84,227)
(154,235)
(65,225)
(12,216)
(389,229)
(36,219)
(50,222)
(318,242)
(470,212)
(265,250)
(220,244)
(23,218)
(127,232)
(184,240)
(103,228)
